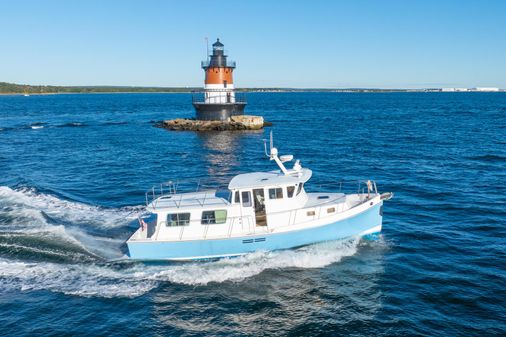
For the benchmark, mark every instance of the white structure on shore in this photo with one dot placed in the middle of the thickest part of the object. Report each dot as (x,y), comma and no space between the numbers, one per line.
(479,89)
(485,89)
(454,89)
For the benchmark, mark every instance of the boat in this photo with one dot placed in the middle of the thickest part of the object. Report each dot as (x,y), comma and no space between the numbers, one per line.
(258,211)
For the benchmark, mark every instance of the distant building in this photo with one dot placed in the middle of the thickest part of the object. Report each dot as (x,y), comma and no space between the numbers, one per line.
(479,89)
(454,89)
(486,89)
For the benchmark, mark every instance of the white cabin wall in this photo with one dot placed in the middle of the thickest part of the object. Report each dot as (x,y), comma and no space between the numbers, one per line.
(281,212)
(239,220)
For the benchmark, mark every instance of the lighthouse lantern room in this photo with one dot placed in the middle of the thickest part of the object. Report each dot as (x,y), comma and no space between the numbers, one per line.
(219,100)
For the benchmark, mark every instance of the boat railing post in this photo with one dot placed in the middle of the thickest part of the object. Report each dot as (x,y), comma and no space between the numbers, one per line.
(230,227)
(205,231)
(181,232)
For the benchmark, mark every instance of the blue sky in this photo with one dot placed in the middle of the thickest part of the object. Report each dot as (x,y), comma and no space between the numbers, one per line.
(330,44)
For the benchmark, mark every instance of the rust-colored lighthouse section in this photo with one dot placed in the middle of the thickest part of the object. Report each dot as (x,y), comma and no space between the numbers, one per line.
(217,75)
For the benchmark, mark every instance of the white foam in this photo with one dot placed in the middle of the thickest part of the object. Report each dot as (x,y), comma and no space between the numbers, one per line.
(137,279)
(81,280)
(26,207)
(240,268)
(70,210)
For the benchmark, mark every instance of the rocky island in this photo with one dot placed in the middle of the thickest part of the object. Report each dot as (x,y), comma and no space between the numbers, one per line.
(235,123)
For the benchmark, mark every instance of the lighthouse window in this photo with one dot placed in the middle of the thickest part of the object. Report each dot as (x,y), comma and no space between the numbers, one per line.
(246,199)
(275,193)
(290,190)
(214,217)
(178,219)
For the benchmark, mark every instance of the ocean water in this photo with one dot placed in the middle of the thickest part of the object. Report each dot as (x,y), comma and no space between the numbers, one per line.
(74,168)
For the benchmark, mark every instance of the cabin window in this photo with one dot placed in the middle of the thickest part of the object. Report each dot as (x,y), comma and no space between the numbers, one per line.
(236,198)
(310,213)
(331,210)
(246,199)
(276,193)
(214,217)
(300,188)
(290,190)
(178,219)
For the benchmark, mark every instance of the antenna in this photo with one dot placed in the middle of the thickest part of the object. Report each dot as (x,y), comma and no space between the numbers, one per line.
(207,47)
(271,140)
(271,145)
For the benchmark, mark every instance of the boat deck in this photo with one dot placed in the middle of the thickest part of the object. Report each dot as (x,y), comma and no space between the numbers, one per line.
(317,199)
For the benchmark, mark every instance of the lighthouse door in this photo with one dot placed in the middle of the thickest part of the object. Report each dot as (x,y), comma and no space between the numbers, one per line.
(259,200)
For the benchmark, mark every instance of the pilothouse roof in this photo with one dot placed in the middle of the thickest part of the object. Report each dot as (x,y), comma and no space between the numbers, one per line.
(265,179)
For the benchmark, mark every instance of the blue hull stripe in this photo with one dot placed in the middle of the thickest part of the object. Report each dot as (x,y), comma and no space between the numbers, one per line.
(195,249)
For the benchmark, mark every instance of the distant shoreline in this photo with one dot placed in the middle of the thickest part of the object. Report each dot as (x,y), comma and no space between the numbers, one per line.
(22,89)
(246,91)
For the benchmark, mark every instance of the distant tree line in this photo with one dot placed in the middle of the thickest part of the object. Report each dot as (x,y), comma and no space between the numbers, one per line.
(12,88)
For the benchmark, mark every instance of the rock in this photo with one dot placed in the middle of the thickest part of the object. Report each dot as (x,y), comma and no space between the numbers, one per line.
(251,122)
(236,123)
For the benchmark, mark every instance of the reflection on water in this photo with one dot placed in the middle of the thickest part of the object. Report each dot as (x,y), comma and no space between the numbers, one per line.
(223,151)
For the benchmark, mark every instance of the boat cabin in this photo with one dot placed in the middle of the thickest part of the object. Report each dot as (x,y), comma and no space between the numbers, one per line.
(254,203)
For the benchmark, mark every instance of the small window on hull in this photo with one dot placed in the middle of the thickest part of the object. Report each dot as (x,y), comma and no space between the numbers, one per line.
(214,217)
(178,219)
(331,210)
(290,190)
(311,213)
(276,193)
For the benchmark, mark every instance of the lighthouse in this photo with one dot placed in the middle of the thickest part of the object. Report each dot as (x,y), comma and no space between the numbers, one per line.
(219,100)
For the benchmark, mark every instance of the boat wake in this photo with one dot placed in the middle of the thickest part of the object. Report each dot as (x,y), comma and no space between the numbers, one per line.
(32,223)
(47,243)
(135,279)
